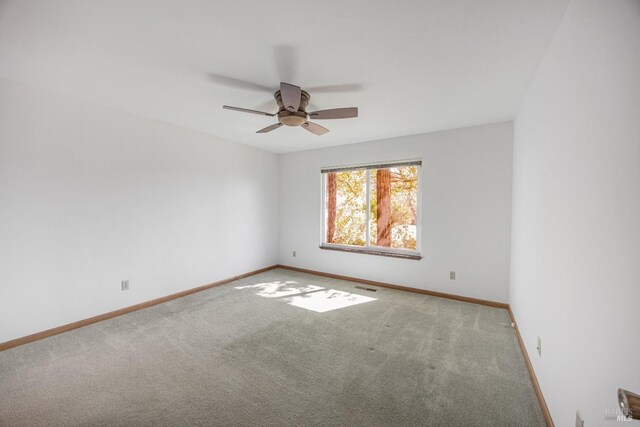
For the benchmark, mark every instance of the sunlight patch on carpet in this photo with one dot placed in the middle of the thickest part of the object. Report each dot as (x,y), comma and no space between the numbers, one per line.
(279,288)
(322,301)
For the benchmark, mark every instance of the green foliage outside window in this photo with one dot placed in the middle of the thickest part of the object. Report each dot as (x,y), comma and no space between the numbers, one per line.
(350,215)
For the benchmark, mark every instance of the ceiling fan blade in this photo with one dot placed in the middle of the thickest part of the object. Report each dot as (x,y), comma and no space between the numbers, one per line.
(352,87)
(269,105)
(290,96)
(246,110)
(286,57)
(335,113)
(315,128)
(270,128)
(237,83)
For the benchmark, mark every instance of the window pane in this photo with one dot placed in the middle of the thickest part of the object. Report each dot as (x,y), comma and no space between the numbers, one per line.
(346,207)
(393,207)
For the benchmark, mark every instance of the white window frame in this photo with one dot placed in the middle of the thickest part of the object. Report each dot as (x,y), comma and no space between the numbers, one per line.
(368,248)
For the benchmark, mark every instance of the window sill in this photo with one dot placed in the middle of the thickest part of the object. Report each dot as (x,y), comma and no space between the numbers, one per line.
(372,252)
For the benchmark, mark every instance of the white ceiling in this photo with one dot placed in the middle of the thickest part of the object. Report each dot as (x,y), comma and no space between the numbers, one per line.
(410,66)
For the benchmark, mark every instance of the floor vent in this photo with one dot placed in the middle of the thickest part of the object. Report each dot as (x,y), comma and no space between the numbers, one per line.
(366,289)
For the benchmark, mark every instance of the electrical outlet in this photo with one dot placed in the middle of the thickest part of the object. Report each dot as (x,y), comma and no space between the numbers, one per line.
(294,254)
(539,347)
(579,419)
(125,285)
(452,275)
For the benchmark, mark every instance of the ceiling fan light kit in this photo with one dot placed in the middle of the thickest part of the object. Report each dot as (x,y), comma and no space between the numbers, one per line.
(292,111)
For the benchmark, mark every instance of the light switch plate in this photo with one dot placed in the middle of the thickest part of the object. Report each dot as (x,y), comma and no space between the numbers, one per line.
(125,285)
(452,275)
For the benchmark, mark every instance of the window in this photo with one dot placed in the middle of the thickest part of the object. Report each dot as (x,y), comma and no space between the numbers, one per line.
(372,209)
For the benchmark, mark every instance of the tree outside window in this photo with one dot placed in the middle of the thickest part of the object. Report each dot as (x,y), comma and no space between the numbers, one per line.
(387,218)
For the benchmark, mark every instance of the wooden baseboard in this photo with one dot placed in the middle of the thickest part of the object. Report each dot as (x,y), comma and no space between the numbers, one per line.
(80,323)
(400,288)
(532,374)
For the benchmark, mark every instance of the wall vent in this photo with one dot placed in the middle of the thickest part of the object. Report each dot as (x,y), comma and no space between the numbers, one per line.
(366,289)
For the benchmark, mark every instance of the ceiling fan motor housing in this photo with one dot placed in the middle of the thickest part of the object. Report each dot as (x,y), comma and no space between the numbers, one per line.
(293,118)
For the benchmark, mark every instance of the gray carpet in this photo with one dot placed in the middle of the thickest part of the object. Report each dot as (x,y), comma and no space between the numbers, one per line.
(261,355)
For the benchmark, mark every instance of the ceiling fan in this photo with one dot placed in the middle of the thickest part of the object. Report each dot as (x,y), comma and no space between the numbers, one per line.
(292,103)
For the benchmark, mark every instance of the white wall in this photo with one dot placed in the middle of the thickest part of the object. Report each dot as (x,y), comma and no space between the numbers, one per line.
(466,202)
(90,196)
(576,212)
